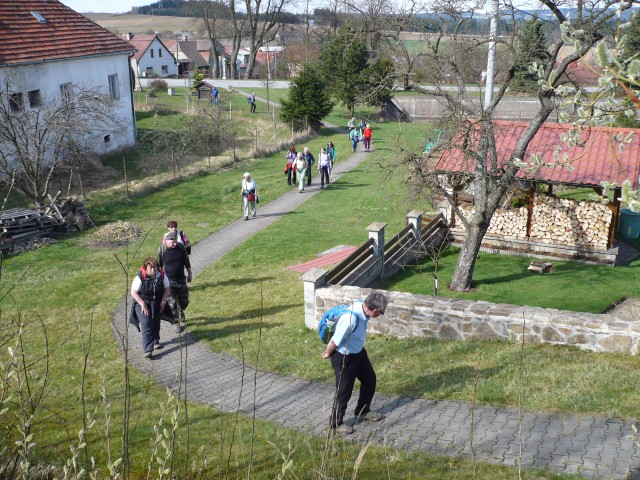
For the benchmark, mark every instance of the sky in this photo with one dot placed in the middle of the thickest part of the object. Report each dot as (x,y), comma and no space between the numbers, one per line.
(100,6)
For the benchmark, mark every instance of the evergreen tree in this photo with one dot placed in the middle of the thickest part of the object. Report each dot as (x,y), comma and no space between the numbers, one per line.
(343,63)
(531,48)
(309,100)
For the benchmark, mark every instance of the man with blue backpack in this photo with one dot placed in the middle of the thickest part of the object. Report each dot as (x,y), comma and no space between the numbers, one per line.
(345,348)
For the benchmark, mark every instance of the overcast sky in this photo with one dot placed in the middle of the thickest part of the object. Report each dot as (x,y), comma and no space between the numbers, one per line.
(99,6)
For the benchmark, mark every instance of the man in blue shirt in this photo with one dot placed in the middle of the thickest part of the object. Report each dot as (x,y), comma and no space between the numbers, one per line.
(350,361)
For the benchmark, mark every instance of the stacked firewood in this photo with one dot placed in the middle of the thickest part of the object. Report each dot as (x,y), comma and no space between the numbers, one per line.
(569,222)
(506,222)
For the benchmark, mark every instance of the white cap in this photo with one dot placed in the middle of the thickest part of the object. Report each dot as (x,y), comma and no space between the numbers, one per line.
(246,174)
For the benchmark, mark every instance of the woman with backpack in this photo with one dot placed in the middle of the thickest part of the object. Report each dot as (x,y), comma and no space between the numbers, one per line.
(249,195)
(150,290)
(324,166)
(172,226)
(290,169)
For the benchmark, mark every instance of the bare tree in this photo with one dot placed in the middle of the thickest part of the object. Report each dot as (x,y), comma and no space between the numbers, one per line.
(216,16)
(39,135)
(470,128)
(262,21)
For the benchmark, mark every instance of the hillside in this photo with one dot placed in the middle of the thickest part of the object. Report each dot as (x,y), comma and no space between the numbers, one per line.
(119,23)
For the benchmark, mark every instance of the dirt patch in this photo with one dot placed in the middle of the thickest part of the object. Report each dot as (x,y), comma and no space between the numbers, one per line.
(625,308)
(115,234)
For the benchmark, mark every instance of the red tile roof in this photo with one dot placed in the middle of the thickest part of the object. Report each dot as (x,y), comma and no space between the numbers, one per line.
(64,33)
(142,42)
(598,160)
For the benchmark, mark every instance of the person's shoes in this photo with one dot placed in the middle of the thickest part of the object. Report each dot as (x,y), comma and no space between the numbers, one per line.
(246,218)
(372,416)
(178,327)
(343,429)
(158,346)
(321,187)
(148,355)
(254,214)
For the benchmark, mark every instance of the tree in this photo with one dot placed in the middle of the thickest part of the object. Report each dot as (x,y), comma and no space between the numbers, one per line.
(38,136)
(216,16)
(262,19)
(343,63)
(309,100)
(469,124)
(531,48)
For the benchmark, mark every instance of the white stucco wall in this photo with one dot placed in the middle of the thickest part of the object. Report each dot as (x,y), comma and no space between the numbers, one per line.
(156,62)
(90,72)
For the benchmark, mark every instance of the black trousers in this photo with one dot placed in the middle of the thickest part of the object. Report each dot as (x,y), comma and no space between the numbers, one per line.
(324,174)
(179,292)
(347,369)
(291,177)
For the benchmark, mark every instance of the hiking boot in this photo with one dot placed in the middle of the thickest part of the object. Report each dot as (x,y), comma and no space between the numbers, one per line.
(148,355)
(371,415)
(158,346)
(254,214)
(178,327)
(246,218)
(343,429)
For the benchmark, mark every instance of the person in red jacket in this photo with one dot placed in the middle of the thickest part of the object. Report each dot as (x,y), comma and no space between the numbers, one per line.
(366,134)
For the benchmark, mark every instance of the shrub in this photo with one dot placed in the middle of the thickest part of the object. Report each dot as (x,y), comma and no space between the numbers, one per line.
(159,85)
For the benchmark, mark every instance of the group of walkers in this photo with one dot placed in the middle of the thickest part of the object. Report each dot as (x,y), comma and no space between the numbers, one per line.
(361,132)
(160,289)
(300,165)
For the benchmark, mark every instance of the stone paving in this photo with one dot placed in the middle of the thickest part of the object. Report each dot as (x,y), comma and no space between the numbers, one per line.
(594,447)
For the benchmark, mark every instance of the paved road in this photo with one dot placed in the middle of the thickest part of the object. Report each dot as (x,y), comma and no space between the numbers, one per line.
(595,447)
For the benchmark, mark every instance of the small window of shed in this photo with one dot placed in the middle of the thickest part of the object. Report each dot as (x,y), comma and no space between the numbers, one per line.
(38,17)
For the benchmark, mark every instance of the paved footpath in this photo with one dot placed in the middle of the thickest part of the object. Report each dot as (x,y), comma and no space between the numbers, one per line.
(594,447)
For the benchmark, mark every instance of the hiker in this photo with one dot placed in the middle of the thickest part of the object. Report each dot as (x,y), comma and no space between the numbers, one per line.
(310,159)
(331,150)
(249,195)
(172,225)
(351,125)
(350,361)
(290,169)
(252,102)
(360,127)
(324,166)
(367,133)
(301,167)
(150,290)
(174,259)
(214,97)
(355,138)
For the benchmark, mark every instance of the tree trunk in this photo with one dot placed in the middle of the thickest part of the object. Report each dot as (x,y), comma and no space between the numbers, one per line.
(463,274)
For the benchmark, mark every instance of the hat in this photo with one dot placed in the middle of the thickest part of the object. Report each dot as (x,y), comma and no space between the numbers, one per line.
(172,236)
(246,174)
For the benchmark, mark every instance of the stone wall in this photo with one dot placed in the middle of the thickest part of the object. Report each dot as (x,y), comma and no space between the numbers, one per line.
(410,315)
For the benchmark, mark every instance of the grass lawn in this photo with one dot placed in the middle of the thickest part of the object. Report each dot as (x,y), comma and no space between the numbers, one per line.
(68,284)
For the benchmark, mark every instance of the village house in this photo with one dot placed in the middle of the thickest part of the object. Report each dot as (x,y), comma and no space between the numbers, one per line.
(152,57)
(46,48)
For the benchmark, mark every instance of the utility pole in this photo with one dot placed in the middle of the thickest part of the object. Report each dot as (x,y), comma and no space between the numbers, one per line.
(491,56)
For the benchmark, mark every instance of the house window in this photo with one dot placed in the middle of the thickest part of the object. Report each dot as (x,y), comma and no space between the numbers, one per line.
(151,52)
(165,69)
(160,52)
(35,99)
(65,92)
(114,87)
(16,102)
(149,72)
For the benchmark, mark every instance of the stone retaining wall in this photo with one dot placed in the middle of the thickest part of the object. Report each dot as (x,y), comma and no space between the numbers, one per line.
(410,315)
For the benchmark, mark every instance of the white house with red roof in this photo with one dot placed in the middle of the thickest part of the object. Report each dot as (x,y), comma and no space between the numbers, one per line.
(47,49)
(152,57)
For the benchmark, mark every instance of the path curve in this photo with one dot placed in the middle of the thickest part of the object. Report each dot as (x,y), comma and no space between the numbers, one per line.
(595,447)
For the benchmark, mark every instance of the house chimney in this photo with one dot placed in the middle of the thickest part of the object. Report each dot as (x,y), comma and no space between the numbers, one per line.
(129,36)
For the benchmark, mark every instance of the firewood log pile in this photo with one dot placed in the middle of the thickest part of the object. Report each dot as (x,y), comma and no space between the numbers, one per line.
(555,221)
(569,222)
(21,228)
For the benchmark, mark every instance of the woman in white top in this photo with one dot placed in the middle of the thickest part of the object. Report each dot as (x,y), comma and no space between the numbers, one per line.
(324,166)
(301,167)
(249,195)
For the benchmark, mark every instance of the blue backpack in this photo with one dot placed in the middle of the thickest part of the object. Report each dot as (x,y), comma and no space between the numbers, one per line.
(327,325)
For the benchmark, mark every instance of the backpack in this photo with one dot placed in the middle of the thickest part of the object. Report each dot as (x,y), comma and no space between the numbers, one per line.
(327,325)
(248,99)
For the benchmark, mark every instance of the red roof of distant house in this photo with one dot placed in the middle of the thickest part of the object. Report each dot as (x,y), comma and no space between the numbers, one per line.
(598,160)
(62,33)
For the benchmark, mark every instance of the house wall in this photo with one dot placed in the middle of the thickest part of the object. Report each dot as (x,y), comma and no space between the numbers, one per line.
(94,72)
(156,62)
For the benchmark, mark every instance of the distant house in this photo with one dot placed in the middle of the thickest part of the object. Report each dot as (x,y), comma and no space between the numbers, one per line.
(190,59)
(46,48)
(152,58)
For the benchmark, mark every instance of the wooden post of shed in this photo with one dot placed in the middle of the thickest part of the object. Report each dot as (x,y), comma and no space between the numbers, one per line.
(615,212)
(532,191)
